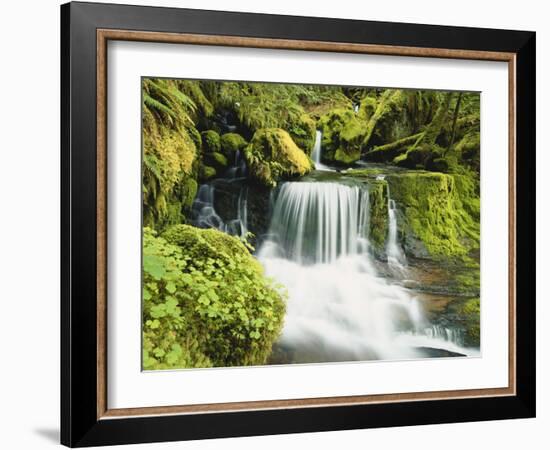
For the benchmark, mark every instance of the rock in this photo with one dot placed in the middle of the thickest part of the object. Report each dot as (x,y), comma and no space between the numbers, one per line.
(231,143)
(303,133)
(438,210)
(216,160)
(343,134)
(378,223)
(210,141)
(207,173)
(390,120)
(272,155)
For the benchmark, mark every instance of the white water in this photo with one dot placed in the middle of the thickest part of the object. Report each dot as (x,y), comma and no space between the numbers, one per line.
(316,153)
(339,308)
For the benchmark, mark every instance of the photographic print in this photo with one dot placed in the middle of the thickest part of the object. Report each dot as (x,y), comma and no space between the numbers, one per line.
(293,224)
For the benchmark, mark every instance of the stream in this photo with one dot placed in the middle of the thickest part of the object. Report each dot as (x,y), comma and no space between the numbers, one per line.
(344,304)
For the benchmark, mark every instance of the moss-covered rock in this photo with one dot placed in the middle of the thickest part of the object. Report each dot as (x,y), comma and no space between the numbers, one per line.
(343,134)
(302,132)
(390,121)
(418,157)
(272,155)
(466,316)
(216,160)
(210,141)
(171,154)
(439,213)
(467,149)
(207,173)
(231,143)
(378,220)
(367,107)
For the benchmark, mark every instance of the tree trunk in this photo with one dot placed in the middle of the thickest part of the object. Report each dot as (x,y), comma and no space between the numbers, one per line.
(455,118)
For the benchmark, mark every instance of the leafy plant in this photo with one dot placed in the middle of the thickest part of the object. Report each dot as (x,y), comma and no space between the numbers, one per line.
(206,301)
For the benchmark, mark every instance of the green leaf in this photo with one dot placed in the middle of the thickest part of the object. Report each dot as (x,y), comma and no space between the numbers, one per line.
(171,287)
(154,265)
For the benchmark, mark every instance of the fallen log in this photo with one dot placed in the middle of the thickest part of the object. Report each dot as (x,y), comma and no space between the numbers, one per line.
(388,152)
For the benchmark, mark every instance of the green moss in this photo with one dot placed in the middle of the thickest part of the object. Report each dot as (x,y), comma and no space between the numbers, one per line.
(378,200)
(389,122)
(188,192)
(302,132)
(438,210)
(231,143)
(468,314)
(272,155)
(171,152)
(395,151)
(211,141)
(193,90)
(207,173)
(342,136)
(217,160)
(467,149)
(367,108)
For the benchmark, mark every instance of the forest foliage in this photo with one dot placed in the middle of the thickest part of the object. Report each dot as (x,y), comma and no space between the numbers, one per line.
(206,300)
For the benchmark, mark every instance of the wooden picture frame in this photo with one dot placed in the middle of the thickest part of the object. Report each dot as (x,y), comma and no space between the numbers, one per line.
(86,418)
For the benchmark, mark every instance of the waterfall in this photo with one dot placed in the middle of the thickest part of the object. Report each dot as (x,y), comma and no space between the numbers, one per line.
(317,222)
(238,169)
(242,211)
(454,335)
(339,308)
(356,108)
(316,152)
(204,212)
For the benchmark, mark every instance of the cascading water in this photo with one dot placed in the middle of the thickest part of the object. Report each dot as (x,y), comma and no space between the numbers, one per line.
(316,152)
(238,169)
(316,222)
(205,215)
(339,308)
(204,211)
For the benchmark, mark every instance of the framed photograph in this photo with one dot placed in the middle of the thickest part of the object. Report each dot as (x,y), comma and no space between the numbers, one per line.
(276,224)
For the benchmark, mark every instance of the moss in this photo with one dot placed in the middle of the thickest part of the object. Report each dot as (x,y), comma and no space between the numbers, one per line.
(435,213)
(203,244)
(468,313)
(378,224)
(272,155)
(207,173)
(394,150)
(193,90)
(231,143)
(367,108)
(467,149)
(170,160)
(217,160)
(189,191)
(211,141)
(303,133)
(389,122)
(427,157)
(342,136)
